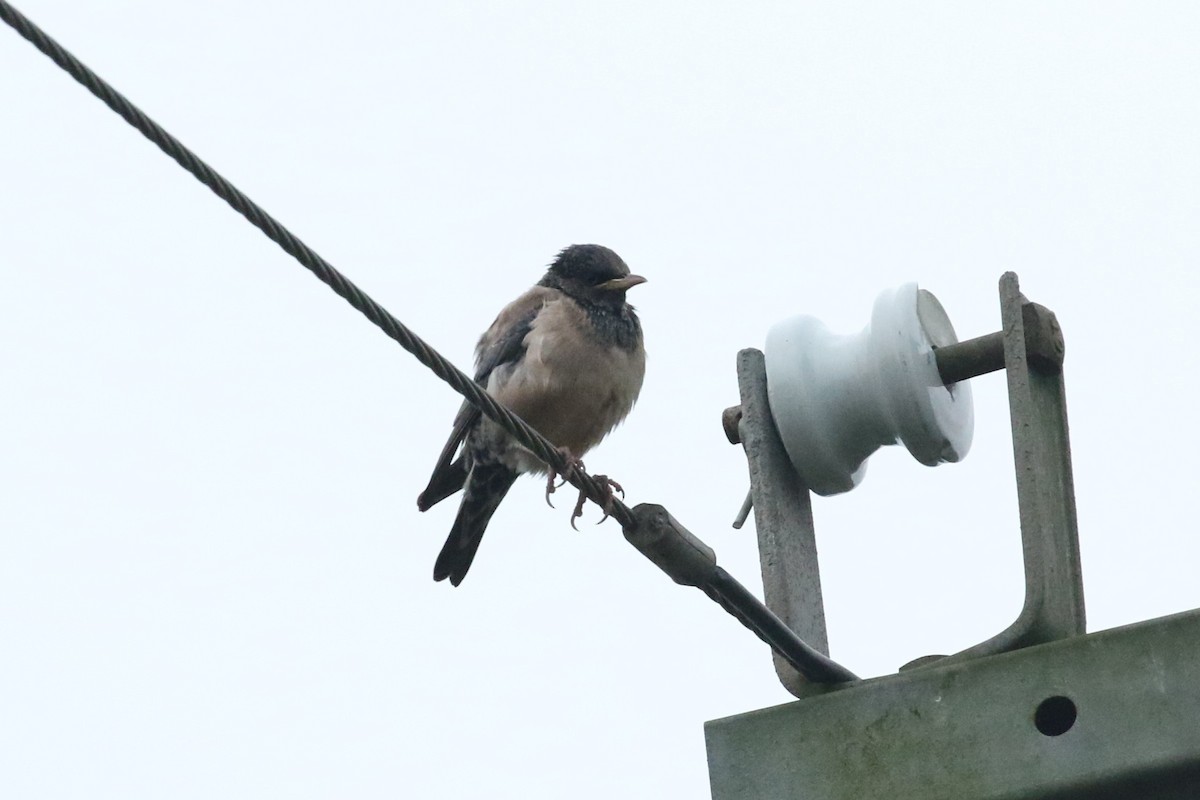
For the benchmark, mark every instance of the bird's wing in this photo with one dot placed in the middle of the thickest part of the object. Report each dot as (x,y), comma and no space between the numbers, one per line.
(450,473)
(502,343)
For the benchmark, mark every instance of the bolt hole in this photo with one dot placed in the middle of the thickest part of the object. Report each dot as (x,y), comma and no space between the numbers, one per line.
(1055,715)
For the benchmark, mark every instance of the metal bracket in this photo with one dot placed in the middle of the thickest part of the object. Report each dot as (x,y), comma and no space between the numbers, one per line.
(1030,348)
(787,546)
(1054,607)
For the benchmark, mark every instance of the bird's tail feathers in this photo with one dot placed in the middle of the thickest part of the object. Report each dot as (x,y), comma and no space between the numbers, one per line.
(486,487)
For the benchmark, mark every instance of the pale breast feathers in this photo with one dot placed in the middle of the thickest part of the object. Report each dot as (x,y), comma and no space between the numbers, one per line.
(569,385)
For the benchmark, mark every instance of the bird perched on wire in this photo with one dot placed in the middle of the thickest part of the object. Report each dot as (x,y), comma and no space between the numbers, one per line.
(566,357)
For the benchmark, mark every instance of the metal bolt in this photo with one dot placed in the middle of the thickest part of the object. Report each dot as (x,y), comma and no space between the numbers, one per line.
(1044,345)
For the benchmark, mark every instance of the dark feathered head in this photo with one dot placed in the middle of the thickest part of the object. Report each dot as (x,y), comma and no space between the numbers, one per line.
(591,272)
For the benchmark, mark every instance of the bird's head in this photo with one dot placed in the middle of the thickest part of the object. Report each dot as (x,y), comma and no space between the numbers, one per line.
(591,273)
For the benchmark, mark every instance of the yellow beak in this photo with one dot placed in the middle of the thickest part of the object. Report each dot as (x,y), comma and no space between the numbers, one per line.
(621,284)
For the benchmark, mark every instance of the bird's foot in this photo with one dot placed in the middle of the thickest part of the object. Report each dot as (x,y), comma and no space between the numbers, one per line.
(607,484)
(573,464)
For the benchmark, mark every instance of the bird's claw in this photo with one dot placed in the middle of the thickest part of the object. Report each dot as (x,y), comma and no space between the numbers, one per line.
(607,484)
(573,464)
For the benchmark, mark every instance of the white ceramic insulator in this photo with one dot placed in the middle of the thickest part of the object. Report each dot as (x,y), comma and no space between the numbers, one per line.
(837,399)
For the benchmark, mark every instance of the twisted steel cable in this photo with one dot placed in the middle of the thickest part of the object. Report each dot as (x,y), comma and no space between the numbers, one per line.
(720,586)
(326,272)
(723,589)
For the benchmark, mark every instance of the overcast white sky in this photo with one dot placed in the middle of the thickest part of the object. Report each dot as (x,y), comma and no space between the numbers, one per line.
(214,581)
